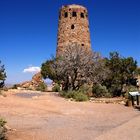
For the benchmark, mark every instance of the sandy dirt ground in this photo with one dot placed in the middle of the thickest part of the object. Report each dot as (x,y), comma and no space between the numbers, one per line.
(50,117)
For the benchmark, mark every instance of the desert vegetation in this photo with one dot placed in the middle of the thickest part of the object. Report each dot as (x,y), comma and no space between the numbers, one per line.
(78,68)
(56,88)
(42,87)
(123,73)
(2,121)
(3,129)
(2,76)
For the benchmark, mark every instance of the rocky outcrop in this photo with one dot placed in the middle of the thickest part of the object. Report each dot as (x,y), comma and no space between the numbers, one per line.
(33,84)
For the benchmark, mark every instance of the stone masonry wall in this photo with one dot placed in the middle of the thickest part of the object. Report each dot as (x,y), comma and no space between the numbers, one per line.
(73,27)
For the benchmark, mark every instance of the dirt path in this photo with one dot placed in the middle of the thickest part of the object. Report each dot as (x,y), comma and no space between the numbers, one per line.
(49,117)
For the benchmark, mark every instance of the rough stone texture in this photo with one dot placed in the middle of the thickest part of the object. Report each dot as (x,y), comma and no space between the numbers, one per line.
(73,28)
(34,83)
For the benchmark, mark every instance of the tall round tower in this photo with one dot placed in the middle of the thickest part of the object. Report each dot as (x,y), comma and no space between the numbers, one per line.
(73,27)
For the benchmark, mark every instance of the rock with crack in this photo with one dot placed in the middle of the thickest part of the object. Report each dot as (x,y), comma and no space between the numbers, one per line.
(33,84)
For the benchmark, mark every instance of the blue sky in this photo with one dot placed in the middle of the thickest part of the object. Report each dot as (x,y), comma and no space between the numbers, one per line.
(28,31)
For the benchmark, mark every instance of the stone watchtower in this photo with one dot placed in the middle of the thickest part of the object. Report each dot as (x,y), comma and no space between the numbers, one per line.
(73,27)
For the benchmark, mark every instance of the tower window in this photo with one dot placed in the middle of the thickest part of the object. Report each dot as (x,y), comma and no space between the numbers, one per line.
(83,45)
(74,14)
(66,14)
(82,15)
(72,26)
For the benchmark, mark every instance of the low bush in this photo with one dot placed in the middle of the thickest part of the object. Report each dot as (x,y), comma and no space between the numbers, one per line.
(15,86)
(86,89)
(3,129)
(67,94)
(42,87)
(100,91)
(79,96)
(76,95)
(56,88)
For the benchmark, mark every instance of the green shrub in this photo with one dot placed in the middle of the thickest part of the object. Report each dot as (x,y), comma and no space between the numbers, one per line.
(3,129)
(86,89)
(15,86)
(79,96)
(56,88)
(100,91)
(76,95)
(67,94)
(42,87)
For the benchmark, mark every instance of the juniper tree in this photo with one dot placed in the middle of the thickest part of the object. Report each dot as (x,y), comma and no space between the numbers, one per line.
(122,72)
(2,75)
(75,67)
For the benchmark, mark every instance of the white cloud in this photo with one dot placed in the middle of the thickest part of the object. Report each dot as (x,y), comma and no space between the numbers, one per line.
(32,69)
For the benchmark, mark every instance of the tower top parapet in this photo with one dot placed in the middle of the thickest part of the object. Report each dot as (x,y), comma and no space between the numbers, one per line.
(73,6)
